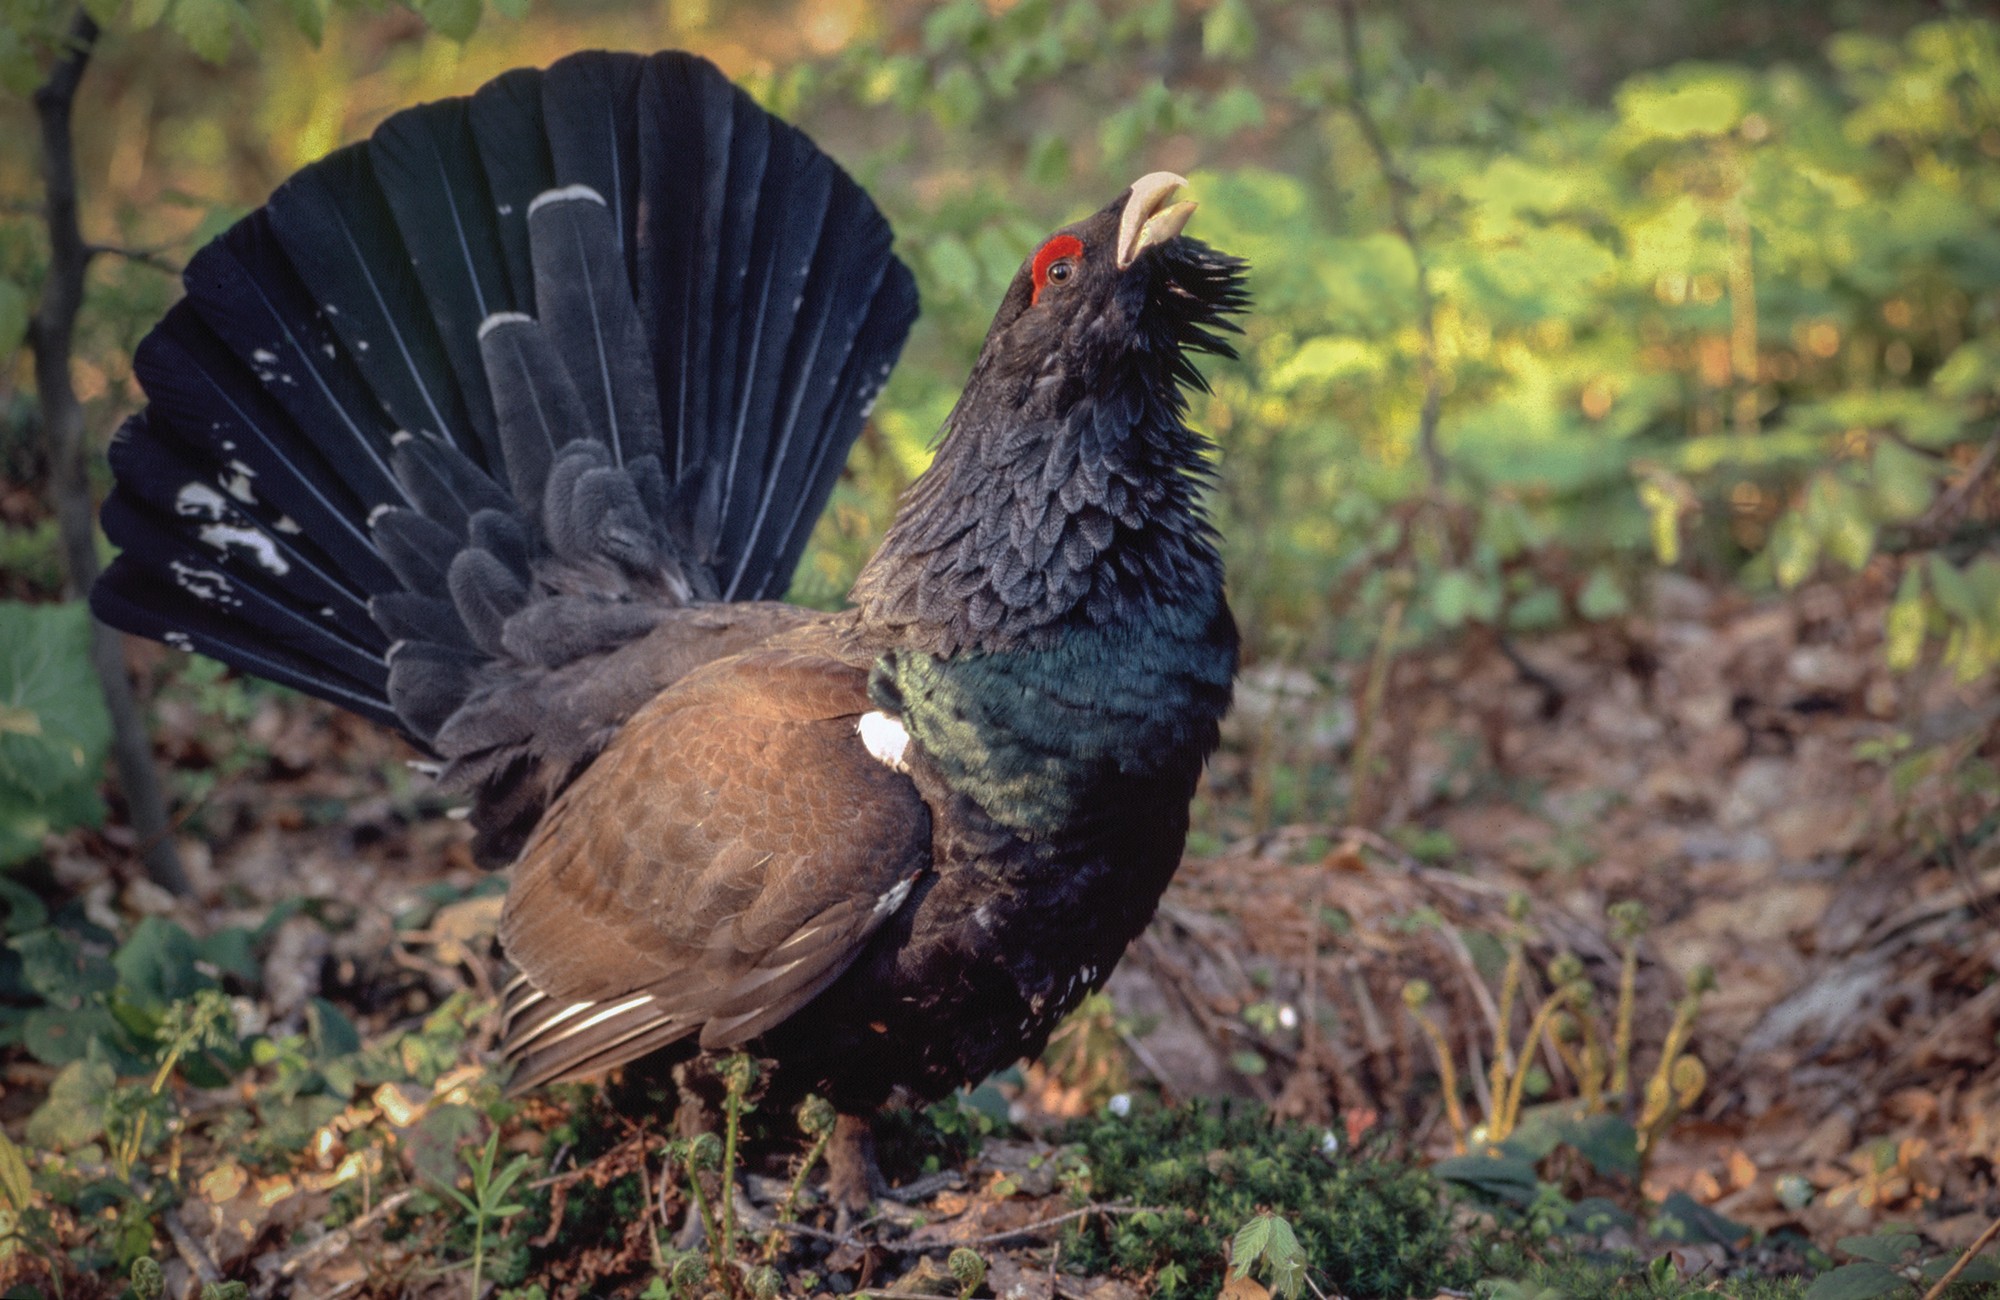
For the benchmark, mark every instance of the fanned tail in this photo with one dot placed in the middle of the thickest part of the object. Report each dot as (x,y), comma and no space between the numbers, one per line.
(502,387)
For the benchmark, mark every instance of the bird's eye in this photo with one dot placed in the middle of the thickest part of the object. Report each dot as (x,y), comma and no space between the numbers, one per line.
(1054,262)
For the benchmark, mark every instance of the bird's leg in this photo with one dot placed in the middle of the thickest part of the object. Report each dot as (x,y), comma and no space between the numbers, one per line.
(853,1180)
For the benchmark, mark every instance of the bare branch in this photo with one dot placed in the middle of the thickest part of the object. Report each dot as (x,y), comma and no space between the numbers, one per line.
(52,334)
(1401,188)
(153,257)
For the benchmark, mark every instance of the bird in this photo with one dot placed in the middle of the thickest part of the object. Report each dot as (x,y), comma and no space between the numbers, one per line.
(507,427)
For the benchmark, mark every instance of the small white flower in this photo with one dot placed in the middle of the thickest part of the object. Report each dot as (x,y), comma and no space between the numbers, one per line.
(1329,1145)
(1288,1016)
(1120,1105)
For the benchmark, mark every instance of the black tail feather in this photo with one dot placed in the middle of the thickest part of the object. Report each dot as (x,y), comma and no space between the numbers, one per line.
(341,238)
(512,137)
(586,313)
(427,164)
(501,386)
(592,106)
(203,397)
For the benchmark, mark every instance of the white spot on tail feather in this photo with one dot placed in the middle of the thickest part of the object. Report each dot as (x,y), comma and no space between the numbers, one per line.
(885,738)
(201,501)
(238,483)
(205,584)
(567,194)
(499,318)
(261,548)
(264,357)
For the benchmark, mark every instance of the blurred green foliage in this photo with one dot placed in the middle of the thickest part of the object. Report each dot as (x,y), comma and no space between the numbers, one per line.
(1740,320)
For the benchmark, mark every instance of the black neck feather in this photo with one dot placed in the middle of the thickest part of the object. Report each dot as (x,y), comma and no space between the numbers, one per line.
(1031,522)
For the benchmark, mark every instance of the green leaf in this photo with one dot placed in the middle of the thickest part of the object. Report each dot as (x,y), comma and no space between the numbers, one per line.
(62,1037)
(1794,550)
(1247,1247)
(1890,1248)
(1235,109)
(74,1111)
(208,26)
(1682,1218)
(1602,597)
(1499,1178)
(15,1183)
(146,13)
(156,965)
(24,911)
(331,1033)
(1229,32)
(309,16)
(455,19)
(1907,621)
(53,729)
(1982,1269)
(1901,481)
(1856,1282)
(59,968)
(1460,595)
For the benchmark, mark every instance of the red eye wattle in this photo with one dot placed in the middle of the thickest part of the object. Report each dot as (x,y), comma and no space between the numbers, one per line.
(1062,246)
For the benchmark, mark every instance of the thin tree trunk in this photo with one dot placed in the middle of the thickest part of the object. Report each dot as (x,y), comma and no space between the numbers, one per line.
(52,335)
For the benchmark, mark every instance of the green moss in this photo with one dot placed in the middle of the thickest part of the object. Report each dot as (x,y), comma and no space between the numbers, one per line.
(1369,1226)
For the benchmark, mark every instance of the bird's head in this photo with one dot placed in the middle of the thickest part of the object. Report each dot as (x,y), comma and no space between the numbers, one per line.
(1121,286)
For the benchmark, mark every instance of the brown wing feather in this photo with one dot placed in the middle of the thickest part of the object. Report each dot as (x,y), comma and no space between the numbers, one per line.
(720,863)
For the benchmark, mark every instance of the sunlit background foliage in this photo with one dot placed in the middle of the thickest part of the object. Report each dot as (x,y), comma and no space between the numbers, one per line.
(1704,286)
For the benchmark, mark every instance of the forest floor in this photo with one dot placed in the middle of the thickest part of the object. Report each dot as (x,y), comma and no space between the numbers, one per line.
(1790,814)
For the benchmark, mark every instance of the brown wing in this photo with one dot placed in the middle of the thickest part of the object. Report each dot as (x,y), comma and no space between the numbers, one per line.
(721,862)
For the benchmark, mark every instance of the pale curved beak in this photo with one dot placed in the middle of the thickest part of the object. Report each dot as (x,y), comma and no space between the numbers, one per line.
(1149,218)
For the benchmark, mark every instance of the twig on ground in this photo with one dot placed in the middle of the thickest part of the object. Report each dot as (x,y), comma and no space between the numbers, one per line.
(1984,1240)
(332,1243)
(989,1239)
(1144,1056)
(1029,1229)
(192,1252)
(1950,500)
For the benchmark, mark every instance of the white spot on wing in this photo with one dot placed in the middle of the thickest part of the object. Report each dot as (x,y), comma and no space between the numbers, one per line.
(884,738)
(892,900)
